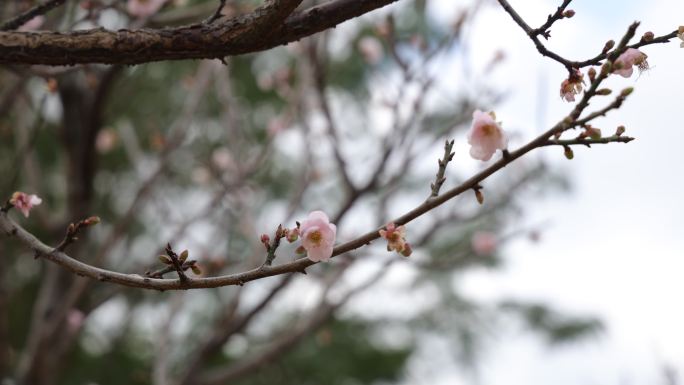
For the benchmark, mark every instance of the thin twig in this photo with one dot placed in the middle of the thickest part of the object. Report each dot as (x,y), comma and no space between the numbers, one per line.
(38,10)
(440,178)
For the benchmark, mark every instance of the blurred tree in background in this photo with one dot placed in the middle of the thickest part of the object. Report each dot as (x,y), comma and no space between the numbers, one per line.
(207,156)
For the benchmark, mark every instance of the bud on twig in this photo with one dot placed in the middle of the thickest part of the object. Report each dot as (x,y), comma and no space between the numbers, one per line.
(620,130)
(648,36)
(627,91)
(608,46)
(569,13)
(592,74)
(479,196)
(604,91)
(567,151)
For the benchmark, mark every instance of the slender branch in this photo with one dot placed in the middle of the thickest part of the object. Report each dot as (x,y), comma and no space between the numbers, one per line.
(440,178)
(217,13)
(38,10)
(11,228)
(587,141)
(533,35)
(559,14)
(197,41)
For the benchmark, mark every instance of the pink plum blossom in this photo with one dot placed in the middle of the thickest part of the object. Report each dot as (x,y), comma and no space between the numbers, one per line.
(396,239)
(483,242)
(144,8)
(106,140)
(318,236)
(75,320)
(223,159)
(572,86)
(485,136)
(33,24)
(631,57)
(24,202)
(371,49)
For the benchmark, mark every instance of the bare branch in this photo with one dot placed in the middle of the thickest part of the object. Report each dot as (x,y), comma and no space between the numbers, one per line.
(198,41)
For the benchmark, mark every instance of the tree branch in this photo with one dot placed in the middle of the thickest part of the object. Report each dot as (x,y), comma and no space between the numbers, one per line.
(236,36)
(533,34)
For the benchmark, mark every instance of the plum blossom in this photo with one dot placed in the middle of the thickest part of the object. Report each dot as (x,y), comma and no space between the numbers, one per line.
(106,140)
(485,136)
(572,86)
(33,24)
(483,242)
(318,236)
(24,202)
(143,8)
(396,239)
(223,159)
(631,57)
(371,49)
(74,320)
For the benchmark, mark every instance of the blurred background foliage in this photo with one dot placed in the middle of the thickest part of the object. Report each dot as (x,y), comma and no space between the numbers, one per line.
(209,156)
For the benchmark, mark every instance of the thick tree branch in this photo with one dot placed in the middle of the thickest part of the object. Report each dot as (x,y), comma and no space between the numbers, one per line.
(236,36)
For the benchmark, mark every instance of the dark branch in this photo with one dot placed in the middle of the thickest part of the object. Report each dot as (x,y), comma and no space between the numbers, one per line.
(236,36)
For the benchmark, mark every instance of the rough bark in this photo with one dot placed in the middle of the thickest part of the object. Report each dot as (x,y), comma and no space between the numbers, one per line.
(240,35)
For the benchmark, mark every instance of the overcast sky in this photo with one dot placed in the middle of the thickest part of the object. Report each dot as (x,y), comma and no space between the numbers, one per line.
(615,246)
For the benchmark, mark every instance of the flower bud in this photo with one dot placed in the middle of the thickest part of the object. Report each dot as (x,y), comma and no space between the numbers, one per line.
(569,13)
(608,46)
(592,74)
(603,91)
(91,221)
(164,259)
(479,196)
(183,256)
(605,68)
(620,130)
(196,270)
(567,151)
(407,250)
(648,36)
(293,235)
(627,91)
